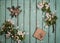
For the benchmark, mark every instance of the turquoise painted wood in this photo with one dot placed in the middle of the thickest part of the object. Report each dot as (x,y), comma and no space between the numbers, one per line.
(27,19)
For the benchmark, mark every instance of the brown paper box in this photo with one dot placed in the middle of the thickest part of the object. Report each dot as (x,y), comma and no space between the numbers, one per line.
(39,34)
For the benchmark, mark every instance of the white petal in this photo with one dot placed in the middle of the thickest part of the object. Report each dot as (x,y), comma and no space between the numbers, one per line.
(47,7)
(9,33)
(12,36)
(40,5)
(22,35)
(50,19)
(9,20)
(11,9)
(19,33)
(46,26)
(24,32)
(17,27)
(19,41)
(47,15)
(27,33)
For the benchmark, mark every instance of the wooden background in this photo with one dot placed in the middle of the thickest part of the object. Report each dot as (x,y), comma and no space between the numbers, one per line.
(30,18)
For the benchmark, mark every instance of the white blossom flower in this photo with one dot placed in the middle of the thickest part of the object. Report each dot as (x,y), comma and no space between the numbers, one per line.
(53,14)
(12,22)
(9,33)
(47,6)
(47,15)
(49,19)
(19,33)
(40,5)
(9,20)
(50,16)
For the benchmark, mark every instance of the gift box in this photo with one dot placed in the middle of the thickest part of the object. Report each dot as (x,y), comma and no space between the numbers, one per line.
(39,34)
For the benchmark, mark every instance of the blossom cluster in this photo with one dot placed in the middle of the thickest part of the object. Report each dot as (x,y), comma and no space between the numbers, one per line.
(49,18)
(9,29)
(14,11)
(45,7)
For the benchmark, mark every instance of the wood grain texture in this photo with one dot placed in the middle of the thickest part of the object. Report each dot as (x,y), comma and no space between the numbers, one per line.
(30,18)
